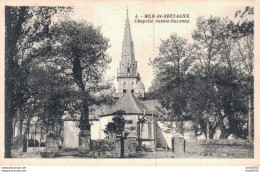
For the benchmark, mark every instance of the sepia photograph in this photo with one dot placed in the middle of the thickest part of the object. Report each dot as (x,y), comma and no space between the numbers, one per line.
(95,80)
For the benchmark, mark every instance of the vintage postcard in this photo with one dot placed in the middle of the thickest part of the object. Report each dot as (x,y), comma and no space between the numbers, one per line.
(129,83)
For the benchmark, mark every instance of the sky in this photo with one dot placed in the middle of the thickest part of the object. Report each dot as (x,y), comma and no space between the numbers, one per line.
(146,37)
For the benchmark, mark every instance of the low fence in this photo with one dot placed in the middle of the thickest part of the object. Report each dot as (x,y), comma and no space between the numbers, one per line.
(220,148)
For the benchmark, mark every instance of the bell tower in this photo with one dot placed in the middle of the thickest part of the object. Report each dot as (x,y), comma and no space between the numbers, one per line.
(127,76)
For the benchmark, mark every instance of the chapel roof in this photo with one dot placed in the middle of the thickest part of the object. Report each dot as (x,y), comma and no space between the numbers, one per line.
(130,104)
(152,105)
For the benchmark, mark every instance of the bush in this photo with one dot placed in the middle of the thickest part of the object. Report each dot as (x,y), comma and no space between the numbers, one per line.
(42,144)
(52,134)
(31,143)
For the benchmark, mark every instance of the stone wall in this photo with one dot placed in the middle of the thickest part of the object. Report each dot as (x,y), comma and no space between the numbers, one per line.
(105,148)
(220,148)
(112,149)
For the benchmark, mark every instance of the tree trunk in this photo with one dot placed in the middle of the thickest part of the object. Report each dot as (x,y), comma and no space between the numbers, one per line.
(28,138)
(47,127)
(78,77)
(14,126)
(35,132)
(224,133)
(84,120)
(207,131)
(8,133)
(249,119)
(27,134)
(9,84)
(211,134)
(52,127)
(19,122)
(41,137)
(11,103)
(84,125)
(25,141)
(21,127)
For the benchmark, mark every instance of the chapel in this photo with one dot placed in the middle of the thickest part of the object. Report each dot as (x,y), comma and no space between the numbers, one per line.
(130,99)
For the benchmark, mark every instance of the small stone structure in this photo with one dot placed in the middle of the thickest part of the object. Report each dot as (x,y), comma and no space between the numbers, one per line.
(178,146)
(71,135)
(84,143)
(51,146)
(130,146)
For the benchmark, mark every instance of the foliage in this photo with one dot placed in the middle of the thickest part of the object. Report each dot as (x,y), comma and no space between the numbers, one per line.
(26,29)
(51,69)
(79,51)
(210,80)
(171,66)
(117,126)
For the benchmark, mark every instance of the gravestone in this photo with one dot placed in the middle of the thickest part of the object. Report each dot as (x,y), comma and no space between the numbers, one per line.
(179,146)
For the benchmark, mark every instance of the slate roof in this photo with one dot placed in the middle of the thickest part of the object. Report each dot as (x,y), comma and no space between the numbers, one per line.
(153,106)
(130,104)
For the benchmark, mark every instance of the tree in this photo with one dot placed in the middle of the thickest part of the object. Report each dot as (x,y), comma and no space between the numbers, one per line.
(171,68)
(117,126)
(217,66)
(237,66)
(245,54)
(215,41)
(78,49)
(25,28)
(52,93)
(214,87)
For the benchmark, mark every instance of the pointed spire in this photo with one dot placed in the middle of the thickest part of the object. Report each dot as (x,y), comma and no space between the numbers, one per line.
(128,47)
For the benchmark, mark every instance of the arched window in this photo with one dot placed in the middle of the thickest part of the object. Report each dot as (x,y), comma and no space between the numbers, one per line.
(128,70)
(124,87)
(132,85)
